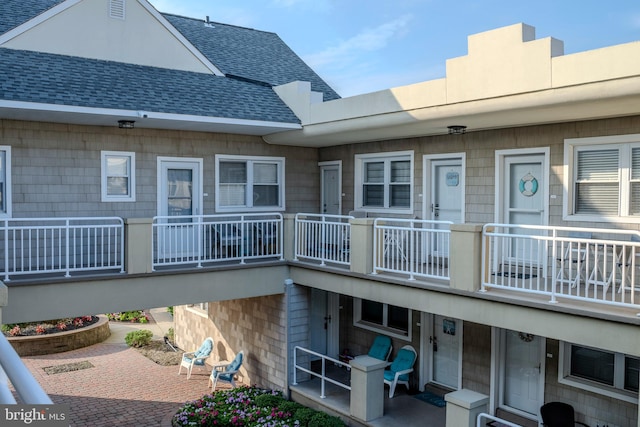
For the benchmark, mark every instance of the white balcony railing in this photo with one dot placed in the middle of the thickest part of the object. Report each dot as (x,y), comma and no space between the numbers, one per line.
(201,239)
(590,264)
(61,245)
(324,238)
(411,246)
(26,386)
(302,362)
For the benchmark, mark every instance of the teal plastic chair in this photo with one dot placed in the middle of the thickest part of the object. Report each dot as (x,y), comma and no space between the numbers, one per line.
(381,348)
(402,366)
(226,372)
(196,358)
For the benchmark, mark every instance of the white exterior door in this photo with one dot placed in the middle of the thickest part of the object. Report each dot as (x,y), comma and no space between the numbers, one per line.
(447,190)
(331,188)
(324,323)
(180,196)
(522,373)
(446,347)
(521,197)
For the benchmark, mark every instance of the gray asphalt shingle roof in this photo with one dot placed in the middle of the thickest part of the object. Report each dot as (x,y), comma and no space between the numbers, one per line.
(65,80)
(252,54)
(253,60)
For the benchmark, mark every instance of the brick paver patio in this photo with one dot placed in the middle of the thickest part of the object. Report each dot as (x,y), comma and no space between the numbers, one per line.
(123,388)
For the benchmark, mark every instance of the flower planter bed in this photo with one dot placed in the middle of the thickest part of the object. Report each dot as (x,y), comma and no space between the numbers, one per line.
(36,345)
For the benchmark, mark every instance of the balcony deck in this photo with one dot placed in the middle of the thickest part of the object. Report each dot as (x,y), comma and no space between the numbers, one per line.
(402,409)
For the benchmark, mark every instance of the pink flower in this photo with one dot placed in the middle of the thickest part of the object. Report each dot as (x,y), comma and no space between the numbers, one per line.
(40,329)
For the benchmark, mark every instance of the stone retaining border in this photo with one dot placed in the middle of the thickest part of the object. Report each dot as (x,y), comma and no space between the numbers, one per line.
(36,345)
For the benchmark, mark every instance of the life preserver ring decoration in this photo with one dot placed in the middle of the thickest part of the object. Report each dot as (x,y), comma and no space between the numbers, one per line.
(528,185)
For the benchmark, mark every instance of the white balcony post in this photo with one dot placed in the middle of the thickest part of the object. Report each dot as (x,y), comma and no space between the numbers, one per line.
(465,259)
(367,388)
(361,249)
(139,256)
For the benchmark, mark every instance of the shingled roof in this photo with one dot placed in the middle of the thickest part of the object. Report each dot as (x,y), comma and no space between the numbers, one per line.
(252,61)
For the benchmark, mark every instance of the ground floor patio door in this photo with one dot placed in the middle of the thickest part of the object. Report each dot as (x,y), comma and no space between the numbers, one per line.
(324,323)
(443,344)
(179,196)
(521,373)
(331,196)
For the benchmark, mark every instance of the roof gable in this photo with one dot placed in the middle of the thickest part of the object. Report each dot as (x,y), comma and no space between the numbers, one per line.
(249,54)
(86,28)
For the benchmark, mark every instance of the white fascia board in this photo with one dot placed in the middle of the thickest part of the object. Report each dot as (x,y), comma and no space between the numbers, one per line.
(140,114)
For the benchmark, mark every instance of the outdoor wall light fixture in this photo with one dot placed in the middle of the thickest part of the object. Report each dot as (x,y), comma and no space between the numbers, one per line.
(457,129)
(126,124)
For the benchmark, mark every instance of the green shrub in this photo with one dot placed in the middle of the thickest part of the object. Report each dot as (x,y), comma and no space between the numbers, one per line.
(320,419)
(290,406)
(304,415)
(170,334)
(138,338)
(170,309)
(270,400)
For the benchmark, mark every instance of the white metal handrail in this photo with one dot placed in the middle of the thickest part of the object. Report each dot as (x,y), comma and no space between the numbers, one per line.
(483,417)
(411,246)
(324,238)
(26,386)
(61,245)
(322,375)
(590,264)
(201,239)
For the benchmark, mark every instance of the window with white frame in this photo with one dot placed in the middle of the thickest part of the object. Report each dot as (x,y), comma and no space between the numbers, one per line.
(5,181)
(384,182)
(604,176)
(600,371)
(384,318)
(118,176)
(249,183)
(201,309)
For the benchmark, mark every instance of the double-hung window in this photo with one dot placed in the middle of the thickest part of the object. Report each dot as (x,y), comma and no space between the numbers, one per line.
(384,318)
(249,183)
(600,371)
(5,181)
(384,182)
(118,176)
(604,178)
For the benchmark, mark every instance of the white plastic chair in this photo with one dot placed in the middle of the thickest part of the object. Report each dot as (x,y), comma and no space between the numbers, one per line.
(402,366)
(226,372)
(196,358)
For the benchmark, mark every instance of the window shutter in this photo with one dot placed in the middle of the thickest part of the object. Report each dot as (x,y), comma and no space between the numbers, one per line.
(634,205)
(597,186)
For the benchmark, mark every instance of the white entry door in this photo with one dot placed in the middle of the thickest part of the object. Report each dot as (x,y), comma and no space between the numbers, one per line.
(522,373)
(522,197)
(179,196)
(446,348)
(447,190)
(331,188)
(324,322)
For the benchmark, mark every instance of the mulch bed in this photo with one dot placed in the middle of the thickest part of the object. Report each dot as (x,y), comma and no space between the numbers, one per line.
(161,353)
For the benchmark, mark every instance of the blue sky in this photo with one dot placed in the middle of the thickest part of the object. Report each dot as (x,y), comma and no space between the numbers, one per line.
(361,46)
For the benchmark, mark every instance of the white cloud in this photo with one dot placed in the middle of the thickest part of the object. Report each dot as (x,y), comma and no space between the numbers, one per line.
(370,39)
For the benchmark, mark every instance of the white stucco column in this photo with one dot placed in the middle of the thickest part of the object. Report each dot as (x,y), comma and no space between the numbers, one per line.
(139,250)
(465,256)
(361,245)
(463,407)
(367,387)
(288,234)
